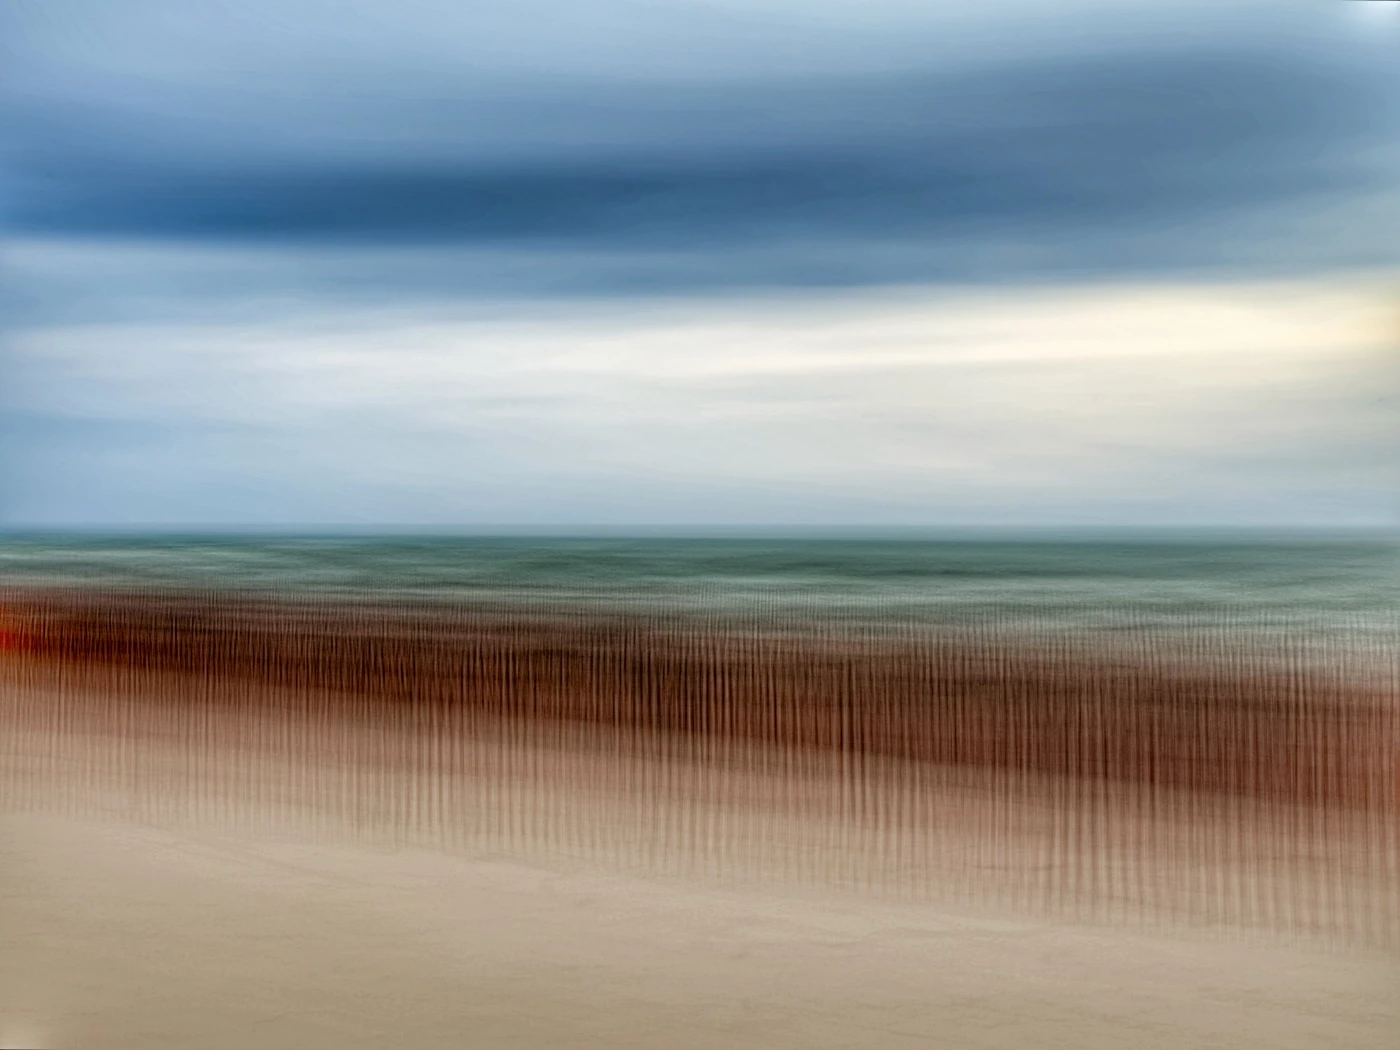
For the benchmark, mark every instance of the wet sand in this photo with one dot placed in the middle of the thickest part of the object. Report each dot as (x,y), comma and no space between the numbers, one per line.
(1221,718)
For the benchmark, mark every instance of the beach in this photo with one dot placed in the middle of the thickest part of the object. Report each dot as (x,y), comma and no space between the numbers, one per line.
(316,822)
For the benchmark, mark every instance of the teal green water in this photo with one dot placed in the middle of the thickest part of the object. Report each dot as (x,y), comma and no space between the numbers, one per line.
(1343,592)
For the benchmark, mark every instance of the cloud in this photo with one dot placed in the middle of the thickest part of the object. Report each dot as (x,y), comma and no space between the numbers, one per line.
(833,171)
(1246,403)
(1085,143)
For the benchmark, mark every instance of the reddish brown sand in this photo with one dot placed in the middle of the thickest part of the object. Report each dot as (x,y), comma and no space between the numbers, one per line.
(1252,728)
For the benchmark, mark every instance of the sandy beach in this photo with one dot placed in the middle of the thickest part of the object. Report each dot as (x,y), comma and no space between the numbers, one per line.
(301,851)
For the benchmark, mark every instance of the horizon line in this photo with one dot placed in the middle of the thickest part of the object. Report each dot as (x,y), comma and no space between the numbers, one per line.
(696,530)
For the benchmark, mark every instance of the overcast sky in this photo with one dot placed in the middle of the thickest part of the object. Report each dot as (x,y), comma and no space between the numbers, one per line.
(1061,262)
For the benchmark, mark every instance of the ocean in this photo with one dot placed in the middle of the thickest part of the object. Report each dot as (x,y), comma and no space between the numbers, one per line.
(1327,597)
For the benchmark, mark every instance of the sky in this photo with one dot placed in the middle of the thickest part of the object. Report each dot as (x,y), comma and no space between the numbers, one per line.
(726,262)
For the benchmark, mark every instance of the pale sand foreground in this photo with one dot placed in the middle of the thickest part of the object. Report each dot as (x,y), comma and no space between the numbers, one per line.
(121,936)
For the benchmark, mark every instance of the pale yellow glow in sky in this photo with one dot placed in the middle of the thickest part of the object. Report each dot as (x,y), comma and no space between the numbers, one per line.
(915,394)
